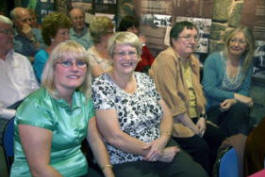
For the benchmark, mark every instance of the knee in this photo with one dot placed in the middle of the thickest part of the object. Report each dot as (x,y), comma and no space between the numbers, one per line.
(189,167)
(240,108)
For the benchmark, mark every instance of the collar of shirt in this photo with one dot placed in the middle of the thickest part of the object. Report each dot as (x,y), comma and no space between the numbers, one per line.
(73,33)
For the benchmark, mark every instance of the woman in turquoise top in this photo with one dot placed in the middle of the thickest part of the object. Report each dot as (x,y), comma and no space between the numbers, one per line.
(227,80)
(52,122)
(55,29)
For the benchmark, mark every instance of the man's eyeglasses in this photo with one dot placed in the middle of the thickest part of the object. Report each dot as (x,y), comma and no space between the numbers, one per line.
(123,54)
(69,63)
(239,41)
(190,37)
(7,31)
(79,18)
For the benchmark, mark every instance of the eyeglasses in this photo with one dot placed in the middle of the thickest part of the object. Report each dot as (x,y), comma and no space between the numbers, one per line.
(239,41)
(78,18)
(123,54)
(69,63)
(7,31)
(190,37)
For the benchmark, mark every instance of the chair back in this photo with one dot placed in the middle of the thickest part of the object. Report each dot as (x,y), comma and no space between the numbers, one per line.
(8,141)
(229,164)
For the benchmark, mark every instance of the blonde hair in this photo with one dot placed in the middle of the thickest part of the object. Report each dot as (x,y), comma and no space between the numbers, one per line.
(67,49)
(99,26)
(248,54)
(123,38)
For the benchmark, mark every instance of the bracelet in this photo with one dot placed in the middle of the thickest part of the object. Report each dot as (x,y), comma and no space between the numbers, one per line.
(167,133)
(106,166)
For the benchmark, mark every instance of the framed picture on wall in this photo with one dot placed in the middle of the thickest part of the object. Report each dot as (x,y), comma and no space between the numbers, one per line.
(105,6)
(86,5)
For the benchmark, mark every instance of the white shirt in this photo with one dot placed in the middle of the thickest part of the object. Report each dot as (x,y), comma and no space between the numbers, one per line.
(17,80)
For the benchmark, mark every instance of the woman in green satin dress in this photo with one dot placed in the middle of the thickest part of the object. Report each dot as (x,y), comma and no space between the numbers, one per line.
(52,122)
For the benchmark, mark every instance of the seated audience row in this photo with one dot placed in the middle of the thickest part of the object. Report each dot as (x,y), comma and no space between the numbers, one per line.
(133,119)
(51,122)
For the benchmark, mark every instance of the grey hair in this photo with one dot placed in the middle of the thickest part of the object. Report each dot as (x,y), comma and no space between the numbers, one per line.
(121,38)
(5,20)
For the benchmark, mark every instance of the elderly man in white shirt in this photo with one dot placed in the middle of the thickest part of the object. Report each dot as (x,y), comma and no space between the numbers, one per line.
(17,78)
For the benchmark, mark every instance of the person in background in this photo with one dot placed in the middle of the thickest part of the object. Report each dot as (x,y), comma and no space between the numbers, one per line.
(101,28)
(80,32)
(134,120)
(227,80)
(52,122)
(17,78)
(55,29)
(176,72)
(27,40)
(131,24)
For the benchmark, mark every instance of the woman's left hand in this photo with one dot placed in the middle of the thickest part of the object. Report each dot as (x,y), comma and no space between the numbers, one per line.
(169,153)
(201,124)
(226,104)
(156,149)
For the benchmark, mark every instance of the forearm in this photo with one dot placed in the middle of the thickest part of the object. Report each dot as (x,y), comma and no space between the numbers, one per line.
(99,150)
(186,121)
(44,171)
(128,144)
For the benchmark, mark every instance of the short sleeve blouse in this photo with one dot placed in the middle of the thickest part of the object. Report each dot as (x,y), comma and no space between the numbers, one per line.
(139,114)
(67,124)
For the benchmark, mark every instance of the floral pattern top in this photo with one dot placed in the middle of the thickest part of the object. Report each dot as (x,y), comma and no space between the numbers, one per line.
(139,113)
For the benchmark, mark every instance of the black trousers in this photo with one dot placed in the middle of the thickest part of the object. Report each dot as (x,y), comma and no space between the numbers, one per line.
(203,149)
(233,121)
(181,166)
(93,173)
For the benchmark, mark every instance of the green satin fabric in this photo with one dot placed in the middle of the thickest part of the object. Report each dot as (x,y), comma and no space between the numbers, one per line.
(68,126)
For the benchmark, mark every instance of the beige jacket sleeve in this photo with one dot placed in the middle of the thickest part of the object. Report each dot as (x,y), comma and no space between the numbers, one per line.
(165,72)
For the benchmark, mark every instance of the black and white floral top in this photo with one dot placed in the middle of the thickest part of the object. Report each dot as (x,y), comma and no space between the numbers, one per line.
(139,113)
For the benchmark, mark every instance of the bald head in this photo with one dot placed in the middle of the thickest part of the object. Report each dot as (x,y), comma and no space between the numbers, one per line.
(78,19)
(75,11)
(21,16)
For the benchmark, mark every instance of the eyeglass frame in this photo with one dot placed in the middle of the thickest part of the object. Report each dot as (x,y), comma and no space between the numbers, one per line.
(71,63)
(123,54)
(7,31)
(189,37)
